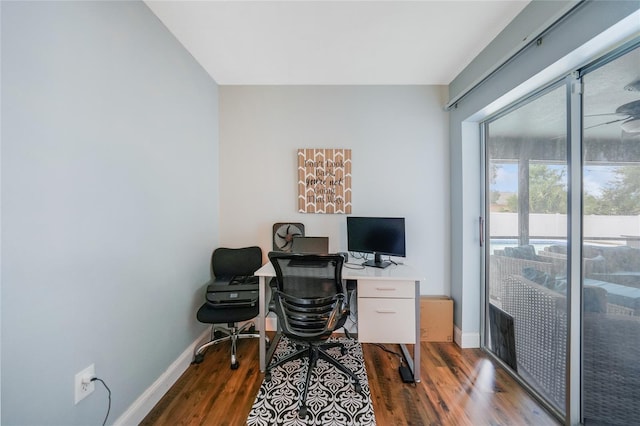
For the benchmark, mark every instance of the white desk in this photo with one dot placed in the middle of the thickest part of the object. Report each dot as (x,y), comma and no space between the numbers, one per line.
(388,308)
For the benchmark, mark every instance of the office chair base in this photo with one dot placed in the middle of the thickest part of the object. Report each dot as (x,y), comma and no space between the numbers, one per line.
(222,334)
(302,412)
(315,352)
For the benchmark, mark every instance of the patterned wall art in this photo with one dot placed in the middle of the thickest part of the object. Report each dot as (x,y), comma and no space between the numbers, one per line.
(324,181)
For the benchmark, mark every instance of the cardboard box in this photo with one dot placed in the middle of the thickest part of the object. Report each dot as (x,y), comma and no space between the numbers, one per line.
(436,319)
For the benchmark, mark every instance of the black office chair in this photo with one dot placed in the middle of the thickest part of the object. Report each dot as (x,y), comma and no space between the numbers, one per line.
(310,303)
(232,297)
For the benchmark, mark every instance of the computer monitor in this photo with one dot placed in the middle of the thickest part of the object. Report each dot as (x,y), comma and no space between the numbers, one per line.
(377,235)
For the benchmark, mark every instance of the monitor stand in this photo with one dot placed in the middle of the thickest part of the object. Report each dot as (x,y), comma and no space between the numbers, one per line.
(377,262)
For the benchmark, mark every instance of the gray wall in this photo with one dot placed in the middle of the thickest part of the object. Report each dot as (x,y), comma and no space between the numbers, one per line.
(399,146)
(110,204)
(539,64)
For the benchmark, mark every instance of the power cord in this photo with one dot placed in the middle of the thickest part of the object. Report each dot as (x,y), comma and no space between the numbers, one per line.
(384,348)
(109,392)
(365,257)
(354,266)
(405,372)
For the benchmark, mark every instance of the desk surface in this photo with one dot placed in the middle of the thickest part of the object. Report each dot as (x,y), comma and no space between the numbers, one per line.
(355,272)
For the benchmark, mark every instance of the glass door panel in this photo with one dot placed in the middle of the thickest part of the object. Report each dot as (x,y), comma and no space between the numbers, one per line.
(526,197)
(611,242)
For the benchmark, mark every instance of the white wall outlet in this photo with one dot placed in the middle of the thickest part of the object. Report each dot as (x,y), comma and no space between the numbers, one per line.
(83,384)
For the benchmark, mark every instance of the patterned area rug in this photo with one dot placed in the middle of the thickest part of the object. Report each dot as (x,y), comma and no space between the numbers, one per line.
(331,400)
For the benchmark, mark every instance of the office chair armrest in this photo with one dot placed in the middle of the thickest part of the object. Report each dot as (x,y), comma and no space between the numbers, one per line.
(337,313)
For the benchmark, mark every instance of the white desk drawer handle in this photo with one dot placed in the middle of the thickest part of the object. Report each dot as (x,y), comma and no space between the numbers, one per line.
(386,288)
(385,311)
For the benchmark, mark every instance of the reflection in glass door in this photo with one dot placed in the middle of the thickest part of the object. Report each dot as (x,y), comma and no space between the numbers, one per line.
(611,242)
(526,195)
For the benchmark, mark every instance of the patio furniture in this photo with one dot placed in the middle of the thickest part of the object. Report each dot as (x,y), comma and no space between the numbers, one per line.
(540,325)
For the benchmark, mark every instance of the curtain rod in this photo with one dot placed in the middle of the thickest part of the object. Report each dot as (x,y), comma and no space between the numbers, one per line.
(534,37)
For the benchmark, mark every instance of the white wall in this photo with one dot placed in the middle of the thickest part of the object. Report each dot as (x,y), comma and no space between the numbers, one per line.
(109,204)
(398,137)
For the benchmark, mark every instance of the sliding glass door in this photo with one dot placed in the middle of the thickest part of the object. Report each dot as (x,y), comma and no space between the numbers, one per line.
(526,151)
(530,184)
(611,241)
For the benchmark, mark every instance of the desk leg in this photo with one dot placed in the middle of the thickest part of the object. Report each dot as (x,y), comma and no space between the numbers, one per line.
(416,347)
(414,362)
(262,324)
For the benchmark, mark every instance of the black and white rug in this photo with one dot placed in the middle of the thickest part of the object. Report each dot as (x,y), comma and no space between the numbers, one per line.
(331,400)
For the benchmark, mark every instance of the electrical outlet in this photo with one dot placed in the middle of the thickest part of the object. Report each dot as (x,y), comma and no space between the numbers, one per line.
(83,384)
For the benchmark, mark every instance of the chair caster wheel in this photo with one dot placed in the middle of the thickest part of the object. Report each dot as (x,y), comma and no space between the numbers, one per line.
(358,388)
(267,376)
(235,365)
(198,359)
(343,350)
(303,412)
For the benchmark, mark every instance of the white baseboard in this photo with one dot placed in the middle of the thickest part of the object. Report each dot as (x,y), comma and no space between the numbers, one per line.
(466,340)
(149,398)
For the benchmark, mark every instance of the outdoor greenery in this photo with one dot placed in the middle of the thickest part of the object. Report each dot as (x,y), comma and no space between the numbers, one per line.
(621,197)
(548,193)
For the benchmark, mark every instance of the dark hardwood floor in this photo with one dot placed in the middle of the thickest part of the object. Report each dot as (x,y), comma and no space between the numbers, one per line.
(458,387)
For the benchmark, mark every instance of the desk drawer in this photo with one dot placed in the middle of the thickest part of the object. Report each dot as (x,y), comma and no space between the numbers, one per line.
(386,320)
(386,288)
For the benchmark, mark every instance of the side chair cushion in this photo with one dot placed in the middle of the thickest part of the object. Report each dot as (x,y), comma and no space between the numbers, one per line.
(210,315)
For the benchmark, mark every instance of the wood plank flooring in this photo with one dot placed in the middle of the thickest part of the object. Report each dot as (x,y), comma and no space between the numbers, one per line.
(458,387)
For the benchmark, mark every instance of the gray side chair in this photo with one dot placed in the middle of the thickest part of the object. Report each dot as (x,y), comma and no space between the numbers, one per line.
(231,298)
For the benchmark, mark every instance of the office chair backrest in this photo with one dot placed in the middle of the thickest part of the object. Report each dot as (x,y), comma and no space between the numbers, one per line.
(308,275)
(230,262)
(310,297)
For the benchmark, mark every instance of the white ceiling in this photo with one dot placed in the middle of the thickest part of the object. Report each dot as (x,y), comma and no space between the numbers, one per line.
(335,42)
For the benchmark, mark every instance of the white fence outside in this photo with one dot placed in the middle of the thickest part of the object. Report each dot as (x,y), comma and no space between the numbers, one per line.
(555,225)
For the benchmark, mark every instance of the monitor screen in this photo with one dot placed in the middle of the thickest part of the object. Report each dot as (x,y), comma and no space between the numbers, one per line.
(377,235)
